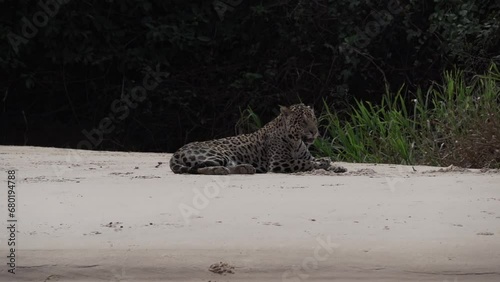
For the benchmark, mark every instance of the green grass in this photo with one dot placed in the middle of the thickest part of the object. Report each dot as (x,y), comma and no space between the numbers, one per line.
(249,122)
(455,123)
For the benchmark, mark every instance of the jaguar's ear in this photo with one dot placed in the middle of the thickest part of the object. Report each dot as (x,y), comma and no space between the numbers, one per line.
(285,110)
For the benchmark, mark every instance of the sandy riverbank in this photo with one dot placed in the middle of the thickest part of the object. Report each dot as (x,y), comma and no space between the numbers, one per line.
(114,216)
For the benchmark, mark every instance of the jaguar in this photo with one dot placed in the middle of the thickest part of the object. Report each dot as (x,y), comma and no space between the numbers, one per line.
(280,146)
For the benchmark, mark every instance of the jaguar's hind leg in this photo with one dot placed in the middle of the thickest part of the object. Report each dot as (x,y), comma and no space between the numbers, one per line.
(222,170)
(214,170)
(242,169)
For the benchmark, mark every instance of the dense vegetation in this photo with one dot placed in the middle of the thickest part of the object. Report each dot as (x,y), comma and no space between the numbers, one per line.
(71,69)
(456,123)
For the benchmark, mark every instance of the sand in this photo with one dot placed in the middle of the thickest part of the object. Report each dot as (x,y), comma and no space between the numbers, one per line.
(114,216)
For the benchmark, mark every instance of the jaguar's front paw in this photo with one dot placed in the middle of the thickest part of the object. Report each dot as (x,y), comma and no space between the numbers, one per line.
(322,163)
(337,168)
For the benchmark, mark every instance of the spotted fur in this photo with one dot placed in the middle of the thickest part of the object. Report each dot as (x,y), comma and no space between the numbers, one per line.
(280,146)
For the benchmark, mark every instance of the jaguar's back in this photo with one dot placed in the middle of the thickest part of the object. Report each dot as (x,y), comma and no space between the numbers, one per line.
(280,146)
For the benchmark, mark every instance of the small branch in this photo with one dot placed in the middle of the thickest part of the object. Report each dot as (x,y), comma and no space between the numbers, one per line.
(370,58)
(69,99)
(26,130)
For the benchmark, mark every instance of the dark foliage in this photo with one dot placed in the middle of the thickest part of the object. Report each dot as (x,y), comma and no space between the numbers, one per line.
(71,71)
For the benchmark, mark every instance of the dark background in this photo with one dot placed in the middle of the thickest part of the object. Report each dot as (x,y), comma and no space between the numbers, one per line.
(83,58)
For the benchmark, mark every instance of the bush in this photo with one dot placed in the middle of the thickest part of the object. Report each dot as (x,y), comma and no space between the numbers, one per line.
(64,79)
(456,123)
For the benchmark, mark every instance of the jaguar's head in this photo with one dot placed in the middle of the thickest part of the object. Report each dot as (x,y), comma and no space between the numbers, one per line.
(301,123)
